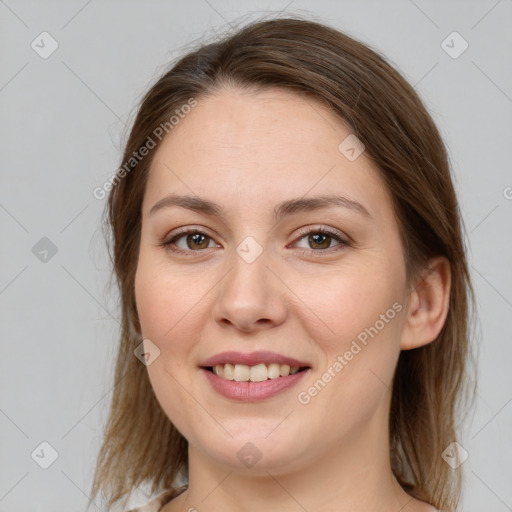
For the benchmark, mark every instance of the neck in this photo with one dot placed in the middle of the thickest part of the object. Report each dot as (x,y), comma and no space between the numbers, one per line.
(355,475)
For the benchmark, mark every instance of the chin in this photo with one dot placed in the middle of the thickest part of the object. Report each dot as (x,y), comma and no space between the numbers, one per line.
(253,450)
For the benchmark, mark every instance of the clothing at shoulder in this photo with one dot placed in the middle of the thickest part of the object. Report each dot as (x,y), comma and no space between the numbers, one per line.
(157,503)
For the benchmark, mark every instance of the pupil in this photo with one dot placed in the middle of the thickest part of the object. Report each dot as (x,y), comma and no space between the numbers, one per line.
(315,238)
(196,237)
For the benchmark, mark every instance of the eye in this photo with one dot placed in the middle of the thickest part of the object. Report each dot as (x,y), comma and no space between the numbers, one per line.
(320,239)
(191,240)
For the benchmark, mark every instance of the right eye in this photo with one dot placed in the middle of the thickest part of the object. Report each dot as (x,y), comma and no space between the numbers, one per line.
(193,241)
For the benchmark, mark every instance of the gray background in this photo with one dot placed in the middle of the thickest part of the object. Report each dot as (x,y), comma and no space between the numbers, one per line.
(61,129)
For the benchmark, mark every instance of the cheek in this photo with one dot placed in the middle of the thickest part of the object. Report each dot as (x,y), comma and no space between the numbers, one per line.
(171,307)
(165,298)
(344,304)
(361,313)
(167,319)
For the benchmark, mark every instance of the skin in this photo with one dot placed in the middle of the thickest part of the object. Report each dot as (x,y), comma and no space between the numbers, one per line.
(248,151)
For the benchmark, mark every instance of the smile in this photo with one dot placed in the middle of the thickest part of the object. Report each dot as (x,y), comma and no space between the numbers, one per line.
(257,373)
(254,376)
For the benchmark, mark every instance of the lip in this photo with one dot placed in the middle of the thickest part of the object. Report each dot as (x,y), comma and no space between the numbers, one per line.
(252,359)
(252,391)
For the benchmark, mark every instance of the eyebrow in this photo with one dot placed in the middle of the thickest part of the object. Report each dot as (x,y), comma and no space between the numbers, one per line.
(283,209)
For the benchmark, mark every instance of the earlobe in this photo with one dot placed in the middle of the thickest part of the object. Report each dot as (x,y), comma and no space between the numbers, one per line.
(428,304)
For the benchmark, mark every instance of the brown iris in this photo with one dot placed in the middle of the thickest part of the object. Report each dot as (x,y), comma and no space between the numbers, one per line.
(199,241)
(321,239)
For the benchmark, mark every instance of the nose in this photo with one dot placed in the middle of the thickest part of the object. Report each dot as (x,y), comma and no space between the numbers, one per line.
(250,297)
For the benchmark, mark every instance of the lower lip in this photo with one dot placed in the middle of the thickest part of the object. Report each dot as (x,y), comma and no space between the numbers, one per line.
(252,391)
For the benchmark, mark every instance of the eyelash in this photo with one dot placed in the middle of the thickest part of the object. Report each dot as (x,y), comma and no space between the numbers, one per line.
(343,242)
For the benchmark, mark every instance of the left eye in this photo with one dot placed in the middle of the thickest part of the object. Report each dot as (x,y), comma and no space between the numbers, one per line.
(320,239)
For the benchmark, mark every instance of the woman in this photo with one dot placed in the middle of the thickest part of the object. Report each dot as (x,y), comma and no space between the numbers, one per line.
(294,287)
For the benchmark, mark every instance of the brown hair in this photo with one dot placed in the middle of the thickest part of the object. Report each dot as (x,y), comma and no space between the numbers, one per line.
(140,444)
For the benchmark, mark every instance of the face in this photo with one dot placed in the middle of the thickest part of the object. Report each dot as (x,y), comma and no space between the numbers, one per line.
(257,275)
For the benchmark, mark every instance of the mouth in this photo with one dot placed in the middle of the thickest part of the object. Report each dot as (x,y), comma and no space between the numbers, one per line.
(252,377)
(257,373)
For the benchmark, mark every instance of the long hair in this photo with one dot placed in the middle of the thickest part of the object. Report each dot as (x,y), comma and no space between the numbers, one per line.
(140,444)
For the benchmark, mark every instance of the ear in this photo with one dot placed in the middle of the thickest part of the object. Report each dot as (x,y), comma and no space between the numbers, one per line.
(428,304)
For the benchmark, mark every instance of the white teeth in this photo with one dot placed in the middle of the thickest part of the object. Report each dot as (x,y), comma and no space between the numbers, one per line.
(229,370)
(257,373)
(241,373)
(273,371)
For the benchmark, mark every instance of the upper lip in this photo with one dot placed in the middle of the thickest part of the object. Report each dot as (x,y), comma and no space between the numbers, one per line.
(251,359)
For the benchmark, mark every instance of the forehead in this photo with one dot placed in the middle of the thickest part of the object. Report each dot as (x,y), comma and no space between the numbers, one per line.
(258,124)
(261,146)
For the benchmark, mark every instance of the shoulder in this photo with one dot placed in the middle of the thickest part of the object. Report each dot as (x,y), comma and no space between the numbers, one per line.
(157,503)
